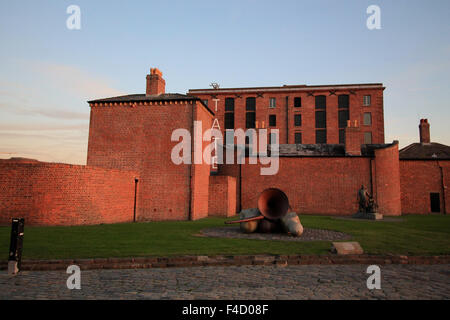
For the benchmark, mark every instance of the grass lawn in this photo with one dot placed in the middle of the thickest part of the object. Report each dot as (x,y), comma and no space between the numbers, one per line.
(414,235)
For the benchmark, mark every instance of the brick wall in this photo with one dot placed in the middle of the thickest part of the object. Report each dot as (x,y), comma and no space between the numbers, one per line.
(418,179)
(222,196)
(314,185)
(61,194)
(138,137)
(386,180)
(201,172)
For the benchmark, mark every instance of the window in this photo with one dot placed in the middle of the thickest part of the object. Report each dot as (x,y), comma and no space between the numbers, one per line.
(298,137)
(229,120)
(367,119)
(366,100)
(229,113)
(229,104)
(297,120)
(250,118)
(343,116)
(343,101)
(297,102)
(435,202)
(272,120)
(341,136)
(272,103)
(321,102)
(321,136)
(321,119)
(250,104)
(205,102)
(367,137)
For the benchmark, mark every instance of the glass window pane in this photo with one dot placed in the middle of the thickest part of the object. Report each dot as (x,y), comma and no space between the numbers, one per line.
(367,119)
(250,118)
(321,136)
(321,119)
(272,120)
(298,120)
(343,117)
(250,104)
(272,103)
(367,137)
(229,120)
(321,102)
(229,104)
(298,137)
(343,101)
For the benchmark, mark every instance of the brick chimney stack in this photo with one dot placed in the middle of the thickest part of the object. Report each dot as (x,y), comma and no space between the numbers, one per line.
(352,138)
(424,131)
(155,83)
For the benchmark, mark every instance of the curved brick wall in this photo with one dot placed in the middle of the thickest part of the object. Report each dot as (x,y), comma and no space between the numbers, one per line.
(62,194)
(387,180)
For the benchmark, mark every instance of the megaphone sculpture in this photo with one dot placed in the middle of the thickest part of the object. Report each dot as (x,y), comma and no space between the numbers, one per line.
(271,216)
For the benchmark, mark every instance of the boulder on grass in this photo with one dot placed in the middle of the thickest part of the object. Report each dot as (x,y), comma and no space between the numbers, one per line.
(291,223)
(250,226)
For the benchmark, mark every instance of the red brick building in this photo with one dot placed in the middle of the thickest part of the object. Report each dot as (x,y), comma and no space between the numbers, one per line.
(425,175)
(331,142)
(303,114)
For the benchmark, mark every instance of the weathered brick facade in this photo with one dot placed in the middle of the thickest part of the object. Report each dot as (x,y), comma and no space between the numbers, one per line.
(138,137)
(419,178)
(62,194)
(130,175)
(222,196)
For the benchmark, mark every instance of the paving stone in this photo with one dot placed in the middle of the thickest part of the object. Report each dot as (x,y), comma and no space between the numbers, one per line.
(234,282)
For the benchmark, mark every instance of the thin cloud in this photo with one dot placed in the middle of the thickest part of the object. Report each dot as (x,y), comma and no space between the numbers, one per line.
(75,80)
(22,109)
(42,127)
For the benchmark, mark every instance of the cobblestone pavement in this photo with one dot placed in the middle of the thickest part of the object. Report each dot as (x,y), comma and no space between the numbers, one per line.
(234,282)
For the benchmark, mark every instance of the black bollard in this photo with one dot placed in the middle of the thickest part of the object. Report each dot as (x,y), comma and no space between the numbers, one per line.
(16,245)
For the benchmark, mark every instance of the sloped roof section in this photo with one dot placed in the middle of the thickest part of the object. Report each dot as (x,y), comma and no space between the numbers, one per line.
(152,97)
(144,97)
(430,151)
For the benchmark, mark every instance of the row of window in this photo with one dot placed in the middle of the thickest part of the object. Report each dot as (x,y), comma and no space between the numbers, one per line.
(321,137)
(321,119)
(320,102)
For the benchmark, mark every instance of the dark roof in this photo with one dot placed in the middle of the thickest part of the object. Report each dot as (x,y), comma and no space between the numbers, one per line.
(327,150)
(292,150)
(153,97)
(431,151)
(144,97)
(322,150)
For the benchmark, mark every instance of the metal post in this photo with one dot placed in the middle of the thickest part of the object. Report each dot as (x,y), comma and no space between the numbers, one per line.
(16,244)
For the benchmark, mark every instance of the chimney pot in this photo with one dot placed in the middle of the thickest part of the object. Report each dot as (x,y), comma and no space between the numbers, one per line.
(155,83)
(424,131)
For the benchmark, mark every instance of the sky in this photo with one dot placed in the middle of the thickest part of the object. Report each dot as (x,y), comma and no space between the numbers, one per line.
(48,71)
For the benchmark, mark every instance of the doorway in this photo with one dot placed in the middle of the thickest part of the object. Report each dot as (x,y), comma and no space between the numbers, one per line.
(435,202)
